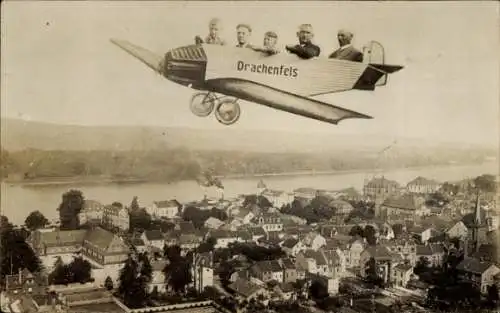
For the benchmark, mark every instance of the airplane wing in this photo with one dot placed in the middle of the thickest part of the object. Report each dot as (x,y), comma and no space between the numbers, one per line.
(282,100)
(147,57)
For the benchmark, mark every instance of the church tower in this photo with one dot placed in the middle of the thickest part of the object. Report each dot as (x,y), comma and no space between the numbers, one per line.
(477,224)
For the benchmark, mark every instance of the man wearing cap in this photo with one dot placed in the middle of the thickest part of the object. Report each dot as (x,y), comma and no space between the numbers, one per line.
(305,49)
(213,38)
(346,50)
(269,47)
(243,33)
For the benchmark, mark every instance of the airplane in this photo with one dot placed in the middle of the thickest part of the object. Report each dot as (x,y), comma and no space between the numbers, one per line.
(222,75)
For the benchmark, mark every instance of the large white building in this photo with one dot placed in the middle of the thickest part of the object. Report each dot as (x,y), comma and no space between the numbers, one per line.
(165,209)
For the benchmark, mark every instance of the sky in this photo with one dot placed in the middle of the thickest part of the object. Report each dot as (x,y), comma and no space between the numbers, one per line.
(59,66)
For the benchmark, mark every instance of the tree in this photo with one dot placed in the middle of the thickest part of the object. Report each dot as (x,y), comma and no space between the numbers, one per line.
(177,271)
(108,283)
(397,229)
(36,220)
(369,233)
(422,266)
(133,280)
(15,253)
(485,183)
(492,296)
(140,219)
(72,203)
(318,290)
(356,231)
(371,272)
(207,246)
(134,205)
(80,270)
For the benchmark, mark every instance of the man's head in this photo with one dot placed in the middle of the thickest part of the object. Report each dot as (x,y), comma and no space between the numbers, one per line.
(214,27)
(344,37)
(305,33)
(243,32)
(270,39)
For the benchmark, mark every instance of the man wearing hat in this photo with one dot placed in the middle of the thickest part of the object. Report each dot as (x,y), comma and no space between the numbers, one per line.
(243,33)
(214,27)
(305,49)
(269,47)
(346,50)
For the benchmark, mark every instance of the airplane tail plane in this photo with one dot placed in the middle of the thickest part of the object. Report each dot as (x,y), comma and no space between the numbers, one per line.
(375,75)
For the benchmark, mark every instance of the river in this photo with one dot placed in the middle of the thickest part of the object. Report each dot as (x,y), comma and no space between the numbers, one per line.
(18,201)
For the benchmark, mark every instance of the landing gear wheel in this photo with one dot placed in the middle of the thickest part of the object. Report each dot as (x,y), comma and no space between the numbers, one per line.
(202,104)
(228,111)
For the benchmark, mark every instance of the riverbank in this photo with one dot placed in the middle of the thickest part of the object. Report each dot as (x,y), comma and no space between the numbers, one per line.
(106,180)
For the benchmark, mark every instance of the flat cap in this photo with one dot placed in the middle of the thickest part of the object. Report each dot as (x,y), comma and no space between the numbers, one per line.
(271,34)
(245,26)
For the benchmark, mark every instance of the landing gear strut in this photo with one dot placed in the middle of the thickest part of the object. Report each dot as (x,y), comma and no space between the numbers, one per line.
(227,109)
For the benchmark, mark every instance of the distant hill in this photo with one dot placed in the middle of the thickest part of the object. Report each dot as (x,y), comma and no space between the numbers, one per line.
(19,134)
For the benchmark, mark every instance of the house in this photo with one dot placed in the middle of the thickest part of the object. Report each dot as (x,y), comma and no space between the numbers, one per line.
(421,233)
(153,238)
(138,244)
(188,242)
(105,248)
(383,258)
(313,241)
(56,242)
(351,248)
(380,188)
(401,274)
(480,273)
(246,290)
(223,237)
(213,223)
(349,194)
(269,222)
(267,271)
(434,253)
(336,263)
(165,209)
(116,216)
(106,251)
(158,276)
(290,273)
(405,248)
(341,207)
(398,208)
(278,198)
(92,212)
(384,230)
(23,282)
(306,193)
(292,246)
(286,291)
(257,233)
(423,185)
(327,231)
(313,262)
(244,215)
(458,230)
(203,271)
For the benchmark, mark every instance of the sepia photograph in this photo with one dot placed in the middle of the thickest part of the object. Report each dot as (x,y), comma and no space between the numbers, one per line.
(250,156)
